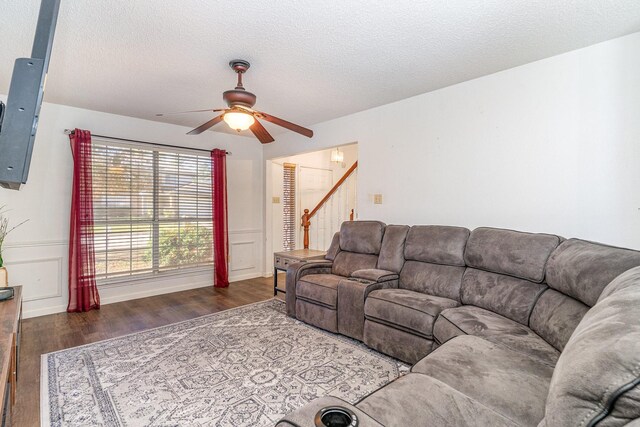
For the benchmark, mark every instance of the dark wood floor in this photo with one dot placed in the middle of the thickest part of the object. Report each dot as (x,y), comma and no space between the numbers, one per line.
(59,331)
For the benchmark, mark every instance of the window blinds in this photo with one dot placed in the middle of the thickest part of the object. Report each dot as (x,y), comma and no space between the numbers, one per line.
(289,220)
(152,210)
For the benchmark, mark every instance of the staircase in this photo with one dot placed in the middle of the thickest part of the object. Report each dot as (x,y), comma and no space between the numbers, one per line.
(337,206)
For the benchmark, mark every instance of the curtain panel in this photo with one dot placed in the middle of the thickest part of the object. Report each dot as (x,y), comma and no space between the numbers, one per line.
(220,218)
(83,292)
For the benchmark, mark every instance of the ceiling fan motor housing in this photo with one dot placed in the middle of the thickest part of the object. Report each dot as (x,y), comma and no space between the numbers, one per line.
(235,97)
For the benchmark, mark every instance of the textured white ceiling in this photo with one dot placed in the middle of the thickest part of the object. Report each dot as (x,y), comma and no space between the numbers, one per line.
(311,60)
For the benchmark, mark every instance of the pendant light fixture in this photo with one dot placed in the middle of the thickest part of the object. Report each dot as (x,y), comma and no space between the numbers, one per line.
(337,156)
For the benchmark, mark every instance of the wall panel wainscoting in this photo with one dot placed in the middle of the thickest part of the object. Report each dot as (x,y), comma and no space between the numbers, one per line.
(42,268)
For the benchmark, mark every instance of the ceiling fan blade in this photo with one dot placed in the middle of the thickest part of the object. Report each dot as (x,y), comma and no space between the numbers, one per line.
(206,125)
(185,112)
(261,133)
(285,124)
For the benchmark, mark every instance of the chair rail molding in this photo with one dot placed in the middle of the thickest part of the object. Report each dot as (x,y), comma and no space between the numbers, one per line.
(35,243)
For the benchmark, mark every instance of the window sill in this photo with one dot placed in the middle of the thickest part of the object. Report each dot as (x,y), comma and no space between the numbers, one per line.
(128,280)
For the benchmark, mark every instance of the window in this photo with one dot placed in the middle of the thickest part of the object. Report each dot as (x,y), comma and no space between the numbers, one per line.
(152,210)
(289,219)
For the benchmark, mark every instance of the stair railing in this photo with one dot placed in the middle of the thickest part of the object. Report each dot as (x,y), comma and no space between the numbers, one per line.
(306,217)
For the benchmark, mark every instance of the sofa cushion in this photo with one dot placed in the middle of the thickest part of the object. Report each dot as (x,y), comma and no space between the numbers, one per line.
(406,310)
(434,279)
(582,269)
(517,254)
(437,244)
(345,263)
(506,295)
(298,270)
(597,378)
(321,289)
(555,316)
(470,320)
(363,237)
(392,250)
(422,401)
(492,375)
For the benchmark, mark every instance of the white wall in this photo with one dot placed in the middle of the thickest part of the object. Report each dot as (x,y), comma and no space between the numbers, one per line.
(36,254)
(551,146)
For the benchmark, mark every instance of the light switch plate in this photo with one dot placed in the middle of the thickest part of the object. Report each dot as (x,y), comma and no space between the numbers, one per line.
(275,199)
(377,199)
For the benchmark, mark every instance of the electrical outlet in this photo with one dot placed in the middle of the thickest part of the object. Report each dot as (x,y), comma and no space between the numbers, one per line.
(377,199)
(275,199)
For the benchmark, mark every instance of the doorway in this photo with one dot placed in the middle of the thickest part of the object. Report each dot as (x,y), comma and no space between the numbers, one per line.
(300,182)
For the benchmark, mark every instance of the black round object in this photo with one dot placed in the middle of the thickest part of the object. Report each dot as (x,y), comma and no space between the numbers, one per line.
(335,416)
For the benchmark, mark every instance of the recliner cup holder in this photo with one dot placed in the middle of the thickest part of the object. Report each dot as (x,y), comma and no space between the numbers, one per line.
(335,416)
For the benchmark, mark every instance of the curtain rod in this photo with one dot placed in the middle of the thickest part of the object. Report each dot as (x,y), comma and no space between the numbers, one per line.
(71,132)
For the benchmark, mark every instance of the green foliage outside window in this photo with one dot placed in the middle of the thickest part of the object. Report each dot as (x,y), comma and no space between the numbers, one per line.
(188,245)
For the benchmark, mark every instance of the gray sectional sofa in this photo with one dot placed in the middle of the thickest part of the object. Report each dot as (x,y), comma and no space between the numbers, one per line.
(502,327)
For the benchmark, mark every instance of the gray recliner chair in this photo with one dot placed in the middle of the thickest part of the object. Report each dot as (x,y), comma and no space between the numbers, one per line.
(399,322)
(313,287)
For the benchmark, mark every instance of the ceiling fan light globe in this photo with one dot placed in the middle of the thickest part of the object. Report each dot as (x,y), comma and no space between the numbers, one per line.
(238,120)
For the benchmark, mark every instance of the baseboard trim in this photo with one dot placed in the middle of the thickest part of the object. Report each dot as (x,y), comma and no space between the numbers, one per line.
(246,276)
(153,292)
(43,311)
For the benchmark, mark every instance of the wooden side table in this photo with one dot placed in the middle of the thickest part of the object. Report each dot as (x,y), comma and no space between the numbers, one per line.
(282,260)
(10,331)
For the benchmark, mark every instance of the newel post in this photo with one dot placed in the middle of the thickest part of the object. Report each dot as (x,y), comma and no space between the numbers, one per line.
(305,225)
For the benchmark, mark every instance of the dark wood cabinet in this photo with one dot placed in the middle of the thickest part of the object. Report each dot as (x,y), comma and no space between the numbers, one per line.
(10,329)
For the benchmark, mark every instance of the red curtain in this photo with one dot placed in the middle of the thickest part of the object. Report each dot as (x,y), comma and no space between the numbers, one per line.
(83,292)
(220,225)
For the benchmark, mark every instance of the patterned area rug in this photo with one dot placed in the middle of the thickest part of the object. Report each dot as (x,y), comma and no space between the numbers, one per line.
(247,366)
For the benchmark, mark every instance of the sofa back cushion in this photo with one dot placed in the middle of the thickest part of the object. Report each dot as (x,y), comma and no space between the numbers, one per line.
(577,272)
(514,253)
(346,263)
(506,295)
(582,269)
(434,260)
(433,279)
(360,243)
(363,237)
(436,244)
(555,316)
(505,271)
(597,377)
(392,250)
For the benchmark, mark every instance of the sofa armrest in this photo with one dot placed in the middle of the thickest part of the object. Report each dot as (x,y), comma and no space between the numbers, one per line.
(374,274)
(304,416)
(352,294)
(297,270)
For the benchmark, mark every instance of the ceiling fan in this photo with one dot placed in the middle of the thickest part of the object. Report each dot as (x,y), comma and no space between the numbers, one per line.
(240,114)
